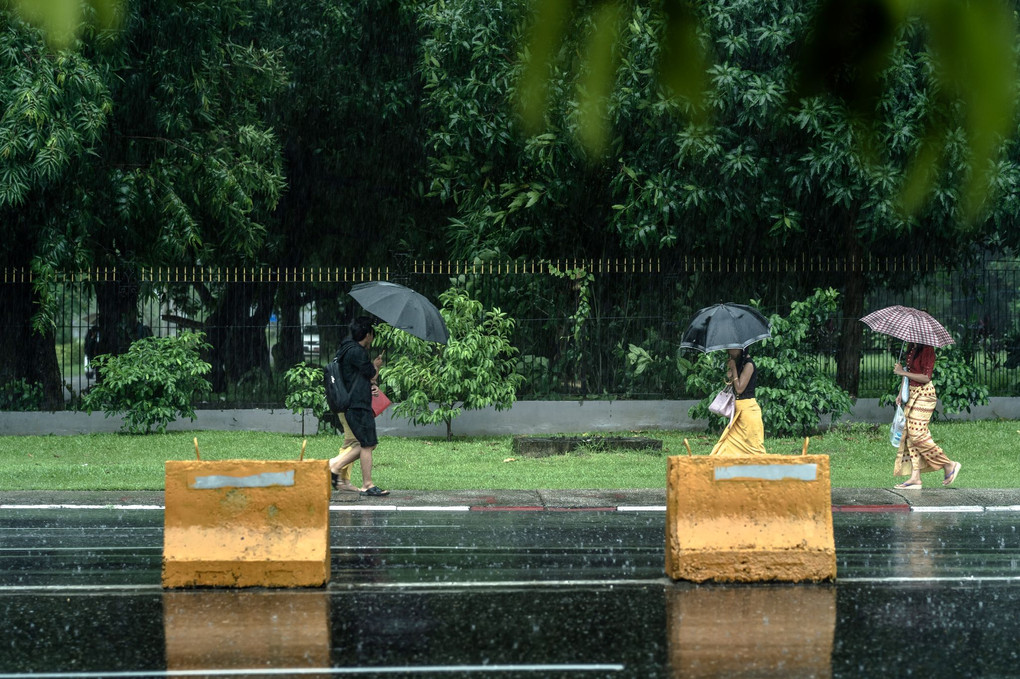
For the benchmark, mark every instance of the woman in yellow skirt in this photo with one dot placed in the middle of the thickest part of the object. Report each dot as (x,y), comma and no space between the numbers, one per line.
(918,452)
(745,434)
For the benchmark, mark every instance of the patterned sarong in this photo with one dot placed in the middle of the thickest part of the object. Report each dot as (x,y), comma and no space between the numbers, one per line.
(917,448)
(745,434)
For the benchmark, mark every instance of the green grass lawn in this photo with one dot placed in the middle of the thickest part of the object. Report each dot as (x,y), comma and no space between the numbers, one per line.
(860,457)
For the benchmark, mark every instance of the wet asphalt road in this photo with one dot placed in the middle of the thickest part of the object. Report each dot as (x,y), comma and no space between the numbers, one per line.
(512,594)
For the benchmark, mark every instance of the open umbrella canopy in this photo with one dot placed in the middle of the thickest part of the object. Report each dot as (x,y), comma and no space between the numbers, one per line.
(725,326)
(909,325)
(402,308)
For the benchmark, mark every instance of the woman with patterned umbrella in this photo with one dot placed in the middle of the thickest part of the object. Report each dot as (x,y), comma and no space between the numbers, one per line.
(918,452)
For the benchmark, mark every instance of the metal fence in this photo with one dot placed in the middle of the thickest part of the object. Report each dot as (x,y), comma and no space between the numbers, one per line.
(583,328)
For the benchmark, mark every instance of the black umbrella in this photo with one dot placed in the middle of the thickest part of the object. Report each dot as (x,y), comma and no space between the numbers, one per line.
(725,326)
(403,308)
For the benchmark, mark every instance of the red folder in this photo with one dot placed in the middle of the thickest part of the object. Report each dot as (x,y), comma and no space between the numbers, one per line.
(380,402)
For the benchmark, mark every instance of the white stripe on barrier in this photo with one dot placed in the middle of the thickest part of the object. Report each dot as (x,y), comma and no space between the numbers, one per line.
(766,472)
(949,509)
(263,480)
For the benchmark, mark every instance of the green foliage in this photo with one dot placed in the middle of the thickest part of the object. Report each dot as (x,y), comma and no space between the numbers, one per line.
(305,391)
(21,394)
(538,378)
(653,367)
(63,22)
(55,109)
(956,384)
(474,370)
(792,389)
(846,50)
(153,383)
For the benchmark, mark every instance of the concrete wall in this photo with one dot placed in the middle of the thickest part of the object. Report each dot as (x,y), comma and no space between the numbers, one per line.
(526,417)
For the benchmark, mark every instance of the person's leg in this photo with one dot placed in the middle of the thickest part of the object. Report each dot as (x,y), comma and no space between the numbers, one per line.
(362,422)
(912,458)
(336,464)
(350,441)
(342,478)
(366,468)
(950,471)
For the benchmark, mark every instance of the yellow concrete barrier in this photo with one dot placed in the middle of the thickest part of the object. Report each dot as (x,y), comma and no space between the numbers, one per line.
(749,519)
(246,523)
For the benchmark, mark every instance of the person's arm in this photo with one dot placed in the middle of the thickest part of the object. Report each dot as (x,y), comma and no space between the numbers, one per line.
(376,364)
(368,369)
(920,378)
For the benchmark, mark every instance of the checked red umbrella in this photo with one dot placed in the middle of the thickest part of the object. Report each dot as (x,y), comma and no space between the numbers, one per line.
(909,325)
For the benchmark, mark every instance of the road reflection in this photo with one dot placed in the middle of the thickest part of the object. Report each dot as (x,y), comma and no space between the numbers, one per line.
(750,630)
(228,630)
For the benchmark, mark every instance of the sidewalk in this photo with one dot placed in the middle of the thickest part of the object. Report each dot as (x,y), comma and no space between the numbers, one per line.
(843,499)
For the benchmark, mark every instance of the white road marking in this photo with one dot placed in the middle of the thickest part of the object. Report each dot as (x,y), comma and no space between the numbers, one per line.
(641,508)
(331,671)
(347,586)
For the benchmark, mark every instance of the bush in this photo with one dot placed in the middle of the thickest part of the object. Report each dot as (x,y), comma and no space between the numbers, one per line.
(475,369)
(21,395)
(305,391)
(153,383)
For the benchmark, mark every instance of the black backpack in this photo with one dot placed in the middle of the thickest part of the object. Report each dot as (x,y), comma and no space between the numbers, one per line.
(337,397)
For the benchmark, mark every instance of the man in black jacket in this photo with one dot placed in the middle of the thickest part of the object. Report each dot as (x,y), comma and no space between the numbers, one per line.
(359,375)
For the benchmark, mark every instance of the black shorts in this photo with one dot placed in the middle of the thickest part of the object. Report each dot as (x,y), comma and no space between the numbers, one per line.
(362,423)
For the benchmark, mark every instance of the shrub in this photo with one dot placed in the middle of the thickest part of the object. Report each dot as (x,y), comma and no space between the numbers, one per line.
(475,369)
(21,395)
(306,392)
(153,383)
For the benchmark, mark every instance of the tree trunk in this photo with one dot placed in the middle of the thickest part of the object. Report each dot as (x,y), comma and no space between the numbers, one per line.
(291,346)
(236,329)
(848,359)
(27,355)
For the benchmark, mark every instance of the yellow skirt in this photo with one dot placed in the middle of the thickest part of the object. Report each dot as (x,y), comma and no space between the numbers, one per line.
(745,434)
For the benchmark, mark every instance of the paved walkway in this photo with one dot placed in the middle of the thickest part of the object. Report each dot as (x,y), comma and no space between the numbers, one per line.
(843,499)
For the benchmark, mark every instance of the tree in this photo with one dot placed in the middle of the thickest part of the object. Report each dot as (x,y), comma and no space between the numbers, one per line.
(804,180)
(150,148)
(55,110)
(778,166)
(433,383)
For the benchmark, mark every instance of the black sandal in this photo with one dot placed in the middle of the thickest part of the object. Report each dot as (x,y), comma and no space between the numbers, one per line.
(375,491)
